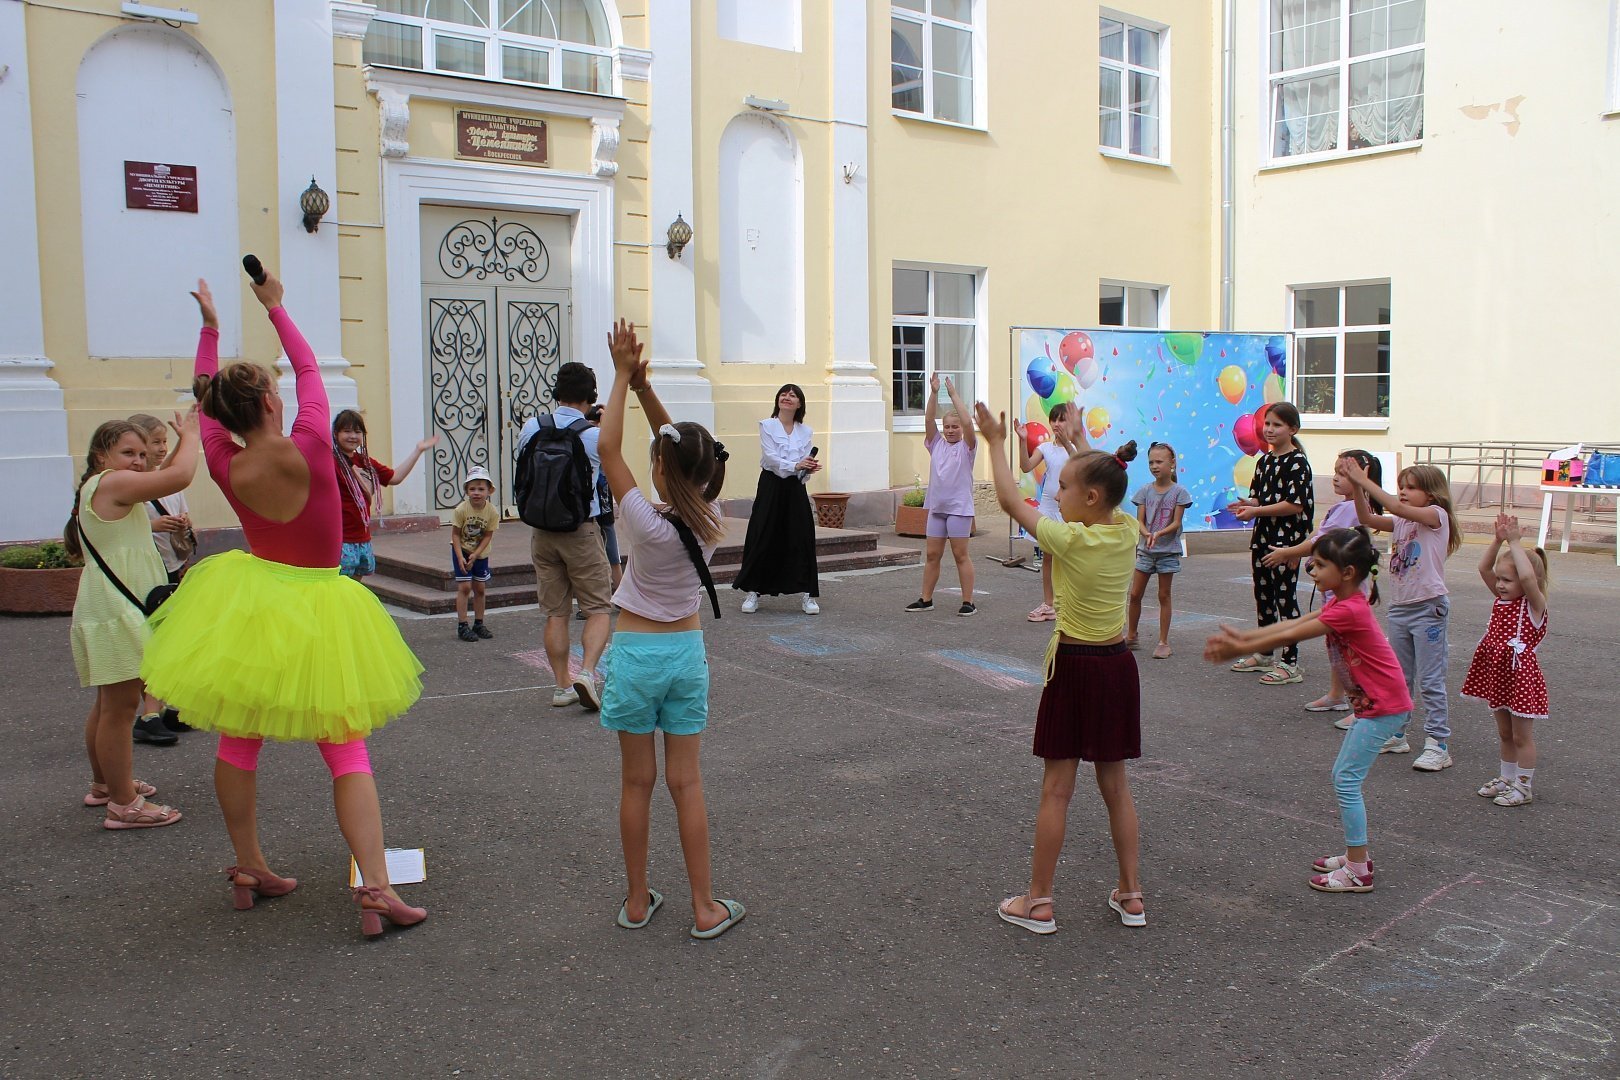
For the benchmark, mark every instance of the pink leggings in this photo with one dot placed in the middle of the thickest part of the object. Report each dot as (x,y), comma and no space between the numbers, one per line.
(341,758)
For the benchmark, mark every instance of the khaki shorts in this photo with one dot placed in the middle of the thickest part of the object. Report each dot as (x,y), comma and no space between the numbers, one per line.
(569,565)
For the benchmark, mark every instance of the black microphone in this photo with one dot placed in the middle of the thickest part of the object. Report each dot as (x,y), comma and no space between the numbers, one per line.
(254,268)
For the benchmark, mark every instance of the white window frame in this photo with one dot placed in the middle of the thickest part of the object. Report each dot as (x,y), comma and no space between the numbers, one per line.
(492,39)
(913,422)
(926,20)
(1125,68)
(1611,80)
(1270,81)
(1337,419)
(1161,296)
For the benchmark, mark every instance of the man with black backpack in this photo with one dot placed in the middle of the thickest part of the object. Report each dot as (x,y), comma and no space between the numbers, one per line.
(555,489)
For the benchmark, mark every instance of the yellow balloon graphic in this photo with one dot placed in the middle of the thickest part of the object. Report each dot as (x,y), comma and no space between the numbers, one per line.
(1272,388)
(1233,382)
(1097,422)
(1032,410)
(1243,471)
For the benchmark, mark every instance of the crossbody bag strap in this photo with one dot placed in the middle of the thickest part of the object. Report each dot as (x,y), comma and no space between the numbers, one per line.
(163,511)
(84,538)
(695,553)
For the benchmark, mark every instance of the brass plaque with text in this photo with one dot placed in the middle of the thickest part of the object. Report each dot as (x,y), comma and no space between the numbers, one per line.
(514,140)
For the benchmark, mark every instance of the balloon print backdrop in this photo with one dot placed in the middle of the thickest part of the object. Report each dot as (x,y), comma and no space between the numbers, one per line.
(1203,393)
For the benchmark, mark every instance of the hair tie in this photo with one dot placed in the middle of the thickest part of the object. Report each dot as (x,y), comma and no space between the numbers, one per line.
(1122,462)
(670,430)
(1374,571)
(721,454)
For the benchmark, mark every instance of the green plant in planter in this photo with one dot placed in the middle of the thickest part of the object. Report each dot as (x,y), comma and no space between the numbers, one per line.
(915,497)
(50,555)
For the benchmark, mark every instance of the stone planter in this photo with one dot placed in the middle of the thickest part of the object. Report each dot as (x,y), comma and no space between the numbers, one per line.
(38,592)
(830,508)
(910,520)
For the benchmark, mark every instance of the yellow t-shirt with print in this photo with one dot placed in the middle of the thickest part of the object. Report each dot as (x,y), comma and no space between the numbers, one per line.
(475,524)
(1091,574)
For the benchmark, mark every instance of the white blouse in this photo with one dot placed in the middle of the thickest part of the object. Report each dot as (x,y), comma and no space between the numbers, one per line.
(780,451)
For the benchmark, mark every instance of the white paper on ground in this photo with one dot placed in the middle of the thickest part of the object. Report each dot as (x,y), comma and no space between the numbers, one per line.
(406,866)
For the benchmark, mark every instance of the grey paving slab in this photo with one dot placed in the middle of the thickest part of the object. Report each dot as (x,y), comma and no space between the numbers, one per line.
(871,793)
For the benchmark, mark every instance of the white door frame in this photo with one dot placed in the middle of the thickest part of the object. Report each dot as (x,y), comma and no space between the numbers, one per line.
(407,184)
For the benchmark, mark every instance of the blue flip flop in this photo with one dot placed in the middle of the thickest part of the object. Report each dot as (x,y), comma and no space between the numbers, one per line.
(737,912)
(655,901)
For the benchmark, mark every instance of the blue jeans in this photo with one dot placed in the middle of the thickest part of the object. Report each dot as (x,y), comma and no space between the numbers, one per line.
(1356,755)
(1417,633)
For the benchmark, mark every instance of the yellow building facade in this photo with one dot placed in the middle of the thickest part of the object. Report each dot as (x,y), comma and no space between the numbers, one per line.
(875,191)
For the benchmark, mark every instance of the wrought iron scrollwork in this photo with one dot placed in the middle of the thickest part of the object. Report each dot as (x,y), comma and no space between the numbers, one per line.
(458,352)
(532,356)
(509,251)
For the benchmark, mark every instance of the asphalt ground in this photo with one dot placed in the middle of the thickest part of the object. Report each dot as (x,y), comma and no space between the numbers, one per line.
(871,794)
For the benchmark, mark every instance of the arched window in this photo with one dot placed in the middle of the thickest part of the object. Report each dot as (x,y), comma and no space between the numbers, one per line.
(566,44)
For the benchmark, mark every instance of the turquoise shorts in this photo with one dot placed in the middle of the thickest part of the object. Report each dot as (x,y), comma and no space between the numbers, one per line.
(657,682)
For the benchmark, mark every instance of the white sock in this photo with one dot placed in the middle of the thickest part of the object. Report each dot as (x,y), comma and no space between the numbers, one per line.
(1510,770)
(1525,776)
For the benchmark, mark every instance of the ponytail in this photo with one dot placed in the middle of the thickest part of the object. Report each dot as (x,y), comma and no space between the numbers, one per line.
(694,471)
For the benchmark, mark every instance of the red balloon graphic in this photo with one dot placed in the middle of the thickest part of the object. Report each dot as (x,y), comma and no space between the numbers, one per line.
(1260,423)
(1244,435)
(1034,435)
(1074,349)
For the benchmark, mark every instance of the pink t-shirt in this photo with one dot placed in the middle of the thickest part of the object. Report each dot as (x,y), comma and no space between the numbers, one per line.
(1373,681)
(660,583)
(1417,561)
(950,475)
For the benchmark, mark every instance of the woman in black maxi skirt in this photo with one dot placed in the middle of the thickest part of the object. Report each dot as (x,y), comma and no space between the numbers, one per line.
(779,555)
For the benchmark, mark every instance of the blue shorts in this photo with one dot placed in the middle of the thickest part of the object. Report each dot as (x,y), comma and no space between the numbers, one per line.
(657,682)
(357,560)
(1158,562)
(477,570)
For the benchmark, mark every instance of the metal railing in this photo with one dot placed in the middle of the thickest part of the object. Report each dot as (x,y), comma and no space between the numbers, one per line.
(1497,465)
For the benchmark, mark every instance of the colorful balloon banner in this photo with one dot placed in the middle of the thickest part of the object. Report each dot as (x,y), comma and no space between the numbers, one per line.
(1203,393)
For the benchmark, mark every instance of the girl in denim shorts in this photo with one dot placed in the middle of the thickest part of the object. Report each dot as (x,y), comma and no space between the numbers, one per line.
(659,678)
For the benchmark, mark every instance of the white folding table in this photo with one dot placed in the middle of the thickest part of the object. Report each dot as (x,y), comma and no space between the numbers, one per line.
(1550,490)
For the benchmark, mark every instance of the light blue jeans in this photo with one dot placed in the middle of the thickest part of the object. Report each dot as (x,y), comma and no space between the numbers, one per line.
(1417,632)
(1356,755)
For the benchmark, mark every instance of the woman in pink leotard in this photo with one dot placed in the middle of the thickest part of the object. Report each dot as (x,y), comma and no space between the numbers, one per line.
(275,644)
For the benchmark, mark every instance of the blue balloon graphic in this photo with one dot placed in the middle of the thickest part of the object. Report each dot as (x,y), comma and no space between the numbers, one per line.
(1042,377)
(1277,355)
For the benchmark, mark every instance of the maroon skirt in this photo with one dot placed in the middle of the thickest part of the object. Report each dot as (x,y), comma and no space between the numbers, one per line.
(1092,707)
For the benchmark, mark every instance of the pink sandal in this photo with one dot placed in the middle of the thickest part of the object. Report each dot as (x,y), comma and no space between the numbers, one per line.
(1043,613)
(261,883)
(100,795)
(1034,926)
(139,814)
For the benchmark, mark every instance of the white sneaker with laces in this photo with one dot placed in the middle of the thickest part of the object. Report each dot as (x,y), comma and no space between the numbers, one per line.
(809,605)
(564,696)
(1395,744)
(750,603)
(1434,757)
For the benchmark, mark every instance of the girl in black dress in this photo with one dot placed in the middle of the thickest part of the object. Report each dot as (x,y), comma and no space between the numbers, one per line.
(1282,503)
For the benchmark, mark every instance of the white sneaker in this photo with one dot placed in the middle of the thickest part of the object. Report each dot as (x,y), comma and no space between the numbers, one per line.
(1395,744)
(564,696)
(1345,723)
(585,691)
(1434,757)
(750,603)
(809,605)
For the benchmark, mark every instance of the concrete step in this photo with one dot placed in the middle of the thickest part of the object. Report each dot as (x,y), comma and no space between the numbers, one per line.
(430,600)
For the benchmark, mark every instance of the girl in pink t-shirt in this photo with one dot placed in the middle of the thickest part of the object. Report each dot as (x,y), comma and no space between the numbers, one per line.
(1369,672)
(952,447)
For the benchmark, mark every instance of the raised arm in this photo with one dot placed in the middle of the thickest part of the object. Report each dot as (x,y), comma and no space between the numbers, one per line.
(994,430)
(962,414)
(313,425)
(1487,561)
(930,410)
(629,370)
(1427,516)
(216,441)
(405,467)
(1026,460)
(125,489)
(1533,594)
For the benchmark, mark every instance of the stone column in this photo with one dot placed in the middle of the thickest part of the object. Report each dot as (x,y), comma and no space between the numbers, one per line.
(36,466)
(858,442)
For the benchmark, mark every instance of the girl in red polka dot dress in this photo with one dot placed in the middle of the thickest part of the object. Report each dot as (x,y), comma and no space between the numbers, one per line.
(1505,673)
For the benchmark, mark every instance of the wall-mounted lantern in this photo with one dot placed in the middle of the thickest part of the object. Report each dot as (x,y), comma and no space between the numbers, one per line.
(680,234)
(314,203)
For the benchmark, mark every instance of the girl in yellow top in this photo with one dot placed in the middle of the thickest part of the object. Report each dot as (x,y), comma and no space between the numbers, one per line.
(1090,707)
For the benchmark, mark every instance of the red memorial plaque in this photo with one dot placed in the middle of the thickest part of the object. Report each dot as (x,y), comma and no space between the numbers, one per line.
(153,185)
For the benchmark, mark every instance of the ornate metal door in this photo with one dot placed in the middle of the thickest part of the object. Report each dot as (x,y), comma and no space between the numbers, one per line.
(494,341)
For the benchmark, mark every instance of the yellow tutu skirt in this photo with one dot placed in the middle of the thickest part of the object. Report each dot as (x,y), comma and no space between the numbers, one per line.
(254,648)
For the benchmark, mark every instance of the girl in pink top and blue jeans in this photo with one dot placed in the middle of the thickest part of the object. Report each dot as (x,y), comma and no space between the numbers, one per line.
(1371,676)
(950,497)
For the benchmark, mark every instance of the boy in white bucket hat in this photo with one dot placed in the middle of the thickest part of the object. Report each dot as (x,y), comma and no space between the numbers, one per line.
(472,531)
